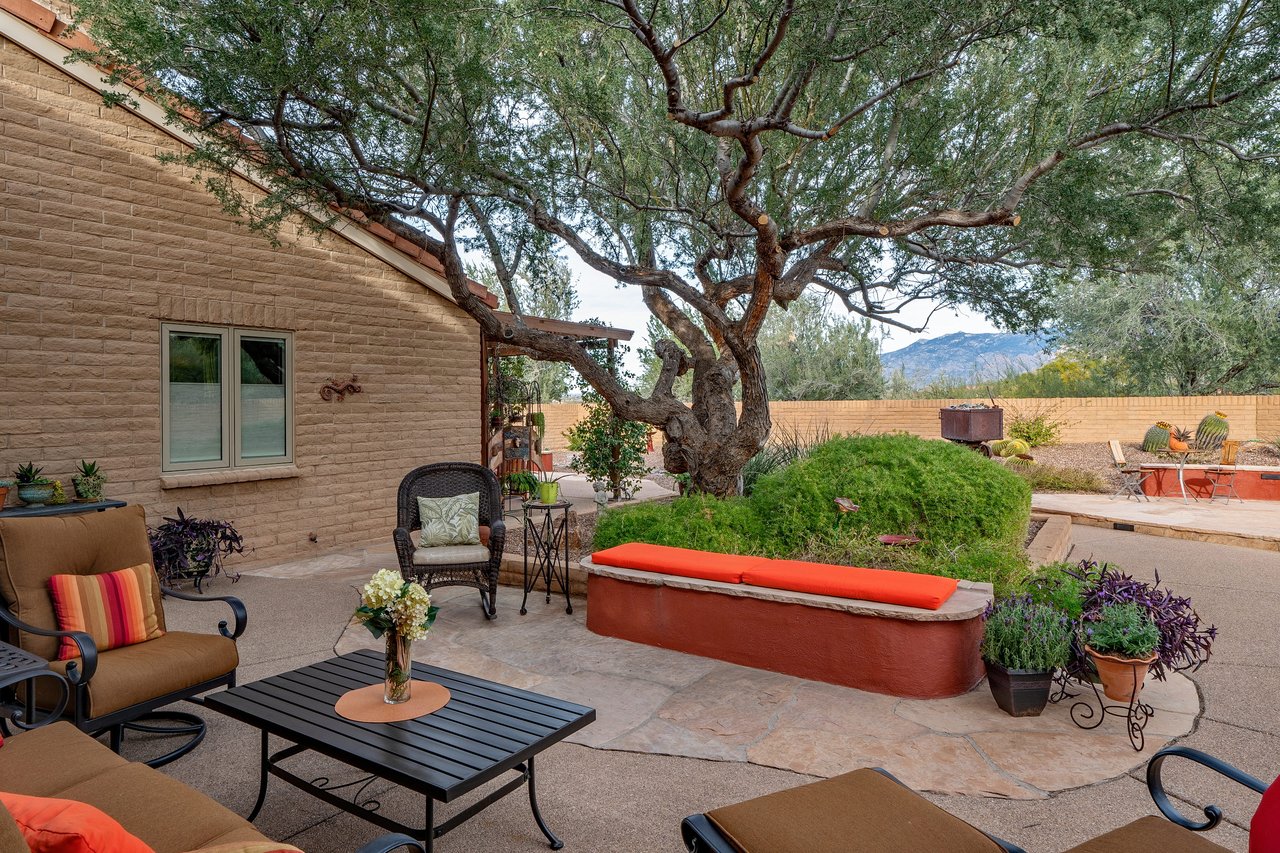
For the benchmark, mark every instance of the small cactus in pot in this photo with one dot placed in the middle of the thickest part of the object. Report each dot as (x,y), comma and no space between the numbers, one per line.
(1157,437)
(1212,431)
(88,481)
(34,489)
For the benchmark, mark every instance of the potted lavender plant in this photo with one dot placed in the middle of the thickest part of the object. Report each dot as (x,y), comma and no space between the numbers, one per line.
(1023,642)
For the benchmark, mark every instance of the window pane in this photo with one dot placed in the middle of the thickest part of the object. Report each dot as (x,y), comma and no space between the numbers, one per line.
(262,400)
(195,397)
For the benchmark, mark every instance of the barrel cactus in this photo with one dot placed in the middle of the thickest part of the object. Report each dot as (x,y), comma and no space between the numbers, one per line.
(1157,437)
(1212,431)
(1007,447)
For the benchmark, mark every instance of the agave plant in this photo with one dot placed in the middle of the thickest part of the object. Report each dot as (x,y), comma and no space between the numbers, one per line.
(30,475)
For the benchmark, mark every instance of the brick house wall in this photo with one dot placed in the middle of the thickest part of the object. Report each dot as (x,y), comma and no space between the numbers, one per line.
(100,243)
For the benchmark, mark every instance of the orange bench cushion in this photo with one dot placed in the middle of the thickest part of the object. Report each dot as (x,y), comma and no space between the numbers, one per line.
(888,587)
(684,562)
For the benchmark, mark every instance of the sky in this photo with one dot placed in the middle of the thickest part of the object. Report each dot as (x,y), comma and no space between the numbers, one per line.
(622,307)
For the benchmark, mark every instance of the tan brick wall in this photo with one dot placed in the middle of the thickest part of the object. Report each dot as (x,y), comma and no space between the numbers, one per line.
(1088,419)
(100,243)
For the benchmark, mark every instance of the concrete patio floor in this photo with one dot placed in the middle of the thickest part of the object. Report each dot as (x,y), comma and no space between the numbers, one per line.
(605,800)
(1252,524)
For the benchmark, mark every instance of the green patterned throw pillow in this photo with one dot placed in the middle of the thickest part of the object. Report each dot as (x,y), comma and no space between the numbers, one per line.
(450,521)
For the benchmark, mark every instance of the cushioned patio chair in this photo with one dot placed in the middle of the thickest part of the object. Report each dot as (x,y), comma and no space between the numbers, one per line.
(869,810)
(452,565)
(120,688)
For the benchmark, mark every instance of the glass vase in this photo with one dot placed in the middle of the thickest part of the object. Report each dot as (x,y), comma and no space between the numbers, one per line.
(399,679)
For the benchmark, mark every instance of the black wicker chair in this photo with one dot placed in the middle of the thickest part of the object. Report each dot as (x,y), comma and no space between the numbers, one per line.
(446,479)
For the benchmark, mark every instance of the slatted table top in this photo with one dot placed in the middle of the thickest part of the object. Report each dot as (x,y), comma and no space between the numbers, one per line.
(485,730)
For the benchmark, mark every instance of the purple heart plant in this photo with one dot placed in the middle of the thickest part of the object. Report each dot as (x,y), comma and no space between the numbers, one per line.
(1185,643)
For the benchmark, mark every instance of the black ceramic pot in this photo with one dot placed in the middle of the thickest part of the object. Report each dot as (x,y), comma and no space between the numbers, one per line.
(1019,692)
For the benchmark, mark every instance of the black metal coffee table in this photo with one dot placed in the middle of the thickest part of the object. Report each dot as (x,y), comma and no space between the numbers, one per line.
(485,731)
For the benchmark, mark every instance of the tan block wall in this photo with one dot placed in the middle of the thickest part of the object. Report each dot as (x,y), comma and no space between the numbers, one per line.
(100,243)
(1088,419)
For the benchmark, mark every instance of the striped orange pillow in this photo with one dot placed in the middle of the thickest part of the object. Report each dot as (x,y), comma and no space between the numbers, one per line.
(114,608)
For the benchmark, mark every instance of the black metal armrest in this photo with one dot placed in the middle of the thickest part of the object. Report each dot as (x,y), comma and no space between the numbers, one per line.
(88,649)
(1214,814)
(236,605)
(395,841)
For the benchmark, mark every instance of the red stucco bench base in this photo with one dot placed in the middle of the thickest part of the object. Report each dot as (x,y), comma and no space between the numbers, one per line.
(884,648)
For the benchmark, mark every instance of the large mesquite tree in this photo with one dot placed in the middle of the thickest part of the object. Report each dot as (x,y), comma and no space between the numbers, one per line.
(725,156)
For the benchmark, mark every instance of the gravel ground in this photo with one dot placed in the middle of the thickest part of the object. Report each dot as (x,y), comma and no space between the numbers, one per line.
(1096,457)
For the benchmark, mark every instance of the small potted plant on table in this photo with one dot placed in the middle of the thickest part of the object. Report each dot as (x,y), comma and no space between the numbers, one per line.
(549,485)
(5,486)
(521,483)
(1023,643)
(1122,642)
(88,481)
(34,489)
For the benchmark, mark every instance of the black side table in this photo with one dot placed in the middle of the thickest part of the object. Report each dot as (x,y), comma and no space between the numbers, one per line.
(550,537)
(17,667)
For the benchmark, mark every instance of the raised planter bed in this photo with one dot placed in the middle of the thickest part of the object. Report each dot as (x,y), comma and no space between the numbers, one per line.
(883,648)
(1253,482)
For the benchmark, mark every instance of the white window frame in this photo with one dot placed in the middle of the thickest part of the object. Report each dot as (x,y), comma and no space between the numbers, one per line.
(231,457)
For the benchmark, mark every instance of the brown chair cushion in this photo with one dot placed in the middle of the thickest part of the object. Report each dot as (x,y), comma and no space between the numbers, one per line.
(34,549)
(1149,835)
(161,811)
(10,834)
(132,674)
(859,811)
(46,761)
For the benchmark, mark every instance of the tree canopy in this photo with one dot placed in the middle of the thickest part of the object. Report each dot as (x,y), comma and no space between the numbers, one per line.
(726,156)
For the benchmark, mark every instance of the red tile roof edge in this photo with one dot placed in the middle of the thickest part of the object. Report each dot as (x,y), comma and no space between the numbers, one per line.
(52,27)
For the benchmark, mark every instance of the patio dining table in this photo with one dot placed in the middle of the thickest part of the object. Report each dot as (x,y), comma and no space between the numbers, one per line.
(486,731)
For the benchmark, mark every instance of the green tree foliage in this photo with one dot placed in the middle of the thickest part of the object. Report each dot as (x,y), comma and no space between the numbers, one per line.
(726,156)
(810,354)
(1211,327)
(548,292)
(608,449)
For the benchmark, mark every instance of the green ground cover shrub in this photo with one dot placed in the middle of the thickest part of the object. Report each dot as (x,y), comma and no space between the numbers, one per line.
(971,512)
(1056,478)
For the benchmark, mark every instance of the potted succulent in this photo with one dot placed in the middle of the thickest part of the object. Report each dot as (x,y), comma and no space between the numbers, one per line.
(88,481)
(549,485)
(5,486)
(34,489)
(59,496)
(1023,643)
(1122,642)
(185,548)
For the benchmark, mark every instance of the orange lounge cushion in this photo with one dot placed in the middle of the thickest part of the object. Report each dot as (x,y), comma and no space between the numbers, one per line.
(887,587)
(684,562)
(52,825)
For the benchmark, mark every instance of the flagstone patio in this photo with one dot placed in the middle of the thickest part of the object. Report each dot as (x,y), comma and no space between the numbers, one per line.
(657,701)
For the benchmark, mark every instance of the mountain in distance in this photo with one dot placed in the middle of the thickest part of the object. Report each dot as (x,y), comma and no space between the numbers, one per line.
(965,357)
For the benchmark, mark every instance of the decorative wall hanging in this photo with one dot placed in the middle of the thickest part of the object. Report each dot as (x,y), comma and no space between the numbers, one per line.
(340,388)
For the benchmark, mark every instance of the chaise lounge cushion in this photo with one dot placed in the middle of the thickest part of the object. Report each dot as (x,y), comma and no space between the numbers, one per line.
(856,812)
(889,587)
(1150,834)
(132,674)
(685,562)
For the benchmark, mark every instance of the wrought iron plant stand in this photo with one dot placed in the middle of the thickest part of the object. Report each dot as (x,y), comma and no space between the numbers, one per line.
(1136,713)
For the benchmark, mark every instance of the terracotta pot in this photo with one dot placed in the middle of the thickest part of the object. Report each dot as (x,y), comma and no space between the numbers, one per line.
(1120,676)
(1019,692)
(4,495)
(1178,446)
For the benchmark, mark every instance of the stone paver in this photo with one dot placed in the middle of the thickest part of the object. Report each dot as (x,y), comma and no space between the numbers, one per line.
(1252,524)
(664,702)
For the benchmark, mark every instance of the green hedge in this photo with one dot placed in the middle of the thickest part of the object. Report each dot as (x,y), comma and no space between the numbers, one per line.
(972,512)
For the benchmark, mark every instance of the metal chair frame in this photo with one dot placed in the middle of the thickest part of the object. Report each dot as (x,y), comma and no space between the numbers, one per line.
(1133,475)
(1222,477)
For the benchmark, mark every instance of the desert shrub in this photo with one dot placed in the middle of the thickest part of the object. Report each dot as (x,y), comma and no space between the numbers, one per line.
(971,512)
(1056,478)
(1038,428)
(936,490)
(1003,566)
(1059,586)
(609,449)
(786,445)
(694,521)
